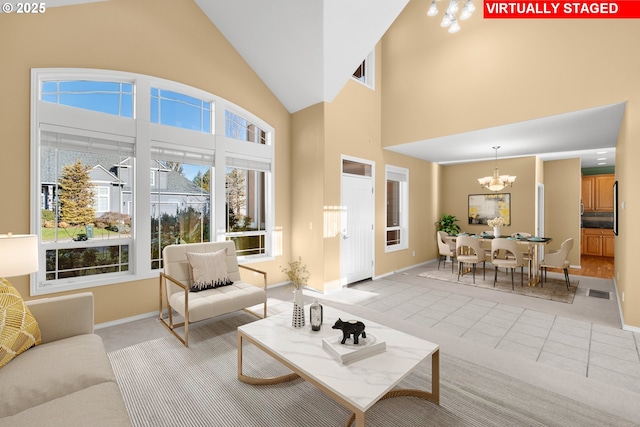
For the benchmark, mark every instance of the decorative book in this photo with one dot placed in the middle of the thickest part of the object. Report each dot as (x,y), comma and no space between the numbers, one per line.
(349,352)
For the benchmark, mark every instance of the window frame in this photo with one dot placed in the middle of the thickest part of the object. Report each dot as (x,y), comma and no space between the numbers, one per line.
(368,78)
(146,134)
(400,175)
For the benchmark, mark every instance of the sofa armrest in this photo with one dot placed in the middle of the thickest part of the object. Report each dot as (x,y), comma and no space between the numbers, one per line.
(63,316)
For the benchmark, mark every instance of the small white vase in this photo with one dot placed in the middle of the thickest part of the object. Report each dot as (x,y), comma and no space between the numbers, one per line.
(297,321)
(496,231)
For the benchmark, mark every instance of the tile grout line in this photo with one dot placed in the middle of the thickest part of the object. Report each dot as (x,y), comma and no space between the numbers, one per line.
(555,318)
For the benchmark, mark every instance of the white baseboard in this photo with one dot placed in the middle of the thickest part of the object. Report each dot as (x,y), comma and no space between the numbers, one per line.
(126,320)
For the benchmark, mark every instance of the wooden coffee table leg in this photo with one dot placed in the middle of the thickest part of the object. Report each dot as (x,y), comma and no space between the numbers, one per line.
(433,396)
(260,381)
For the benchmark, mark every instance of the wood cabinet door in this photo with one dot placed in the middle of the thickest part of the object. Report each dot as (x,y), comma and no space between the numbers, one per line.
(607,246)
(587,192)
(603,198)
(592,244)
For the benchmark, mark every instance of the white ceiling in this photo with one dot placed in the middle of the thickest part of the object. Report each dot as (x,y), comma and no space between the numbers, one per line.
(306,50)
(590,134)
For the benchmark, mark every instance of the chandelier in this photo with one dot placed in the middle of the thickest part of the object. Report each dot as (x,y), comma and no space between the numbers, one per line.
(496,182)
(450,19)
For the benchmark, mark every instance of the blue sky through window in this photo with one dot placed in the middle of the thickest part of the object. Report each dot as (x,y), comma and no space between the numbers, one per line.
(105,97)
(179,110)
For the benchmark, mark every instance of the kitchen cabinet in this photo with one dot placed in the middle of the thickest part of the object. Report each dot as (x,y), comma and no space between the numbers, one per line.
(597,242)
(597,192)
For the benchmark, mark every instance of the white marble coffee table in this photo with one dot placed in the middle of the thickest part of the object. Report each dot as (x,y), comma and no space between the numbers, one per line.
(357,385)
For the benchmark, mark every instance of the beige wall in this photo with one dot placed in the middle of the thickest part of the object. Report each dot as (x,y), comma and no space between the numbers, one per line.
(562,205)
(496,72)
(170,39)
(458,181)
(351,126)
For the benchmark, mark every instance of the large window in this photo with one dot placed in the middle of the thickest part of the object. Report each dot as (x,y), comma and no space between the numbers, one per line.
(397,232)
(113,191)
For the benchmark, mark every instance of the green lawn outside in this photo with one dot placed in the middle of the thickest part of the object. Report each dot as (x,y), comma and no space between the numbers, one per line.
(71,232)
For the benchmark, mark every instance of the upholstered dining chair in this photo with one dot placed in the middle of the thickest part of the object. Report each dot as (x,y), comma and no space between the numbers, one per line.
(523,235)
(513,258)
(557,259)
(445,250)
(469,250)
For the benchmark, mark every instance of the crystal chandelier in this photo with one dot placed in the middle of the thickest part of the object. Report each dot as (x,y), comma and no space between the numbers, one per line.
(449,19)
(496,182)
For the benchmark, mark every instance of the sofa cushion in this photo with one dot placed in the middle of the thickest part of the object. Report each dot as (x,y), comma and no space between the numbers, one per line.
(214,302)
(100,405)
(19,330)
(50,371)
(209,270)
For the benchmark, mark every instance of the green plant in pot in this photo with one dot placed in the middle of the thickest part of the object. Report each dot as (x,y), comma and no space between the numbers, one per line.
(447,223)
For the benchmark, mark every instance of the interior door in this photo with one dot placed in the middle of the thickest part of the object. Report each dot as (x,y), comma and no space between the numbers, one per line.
(357,234)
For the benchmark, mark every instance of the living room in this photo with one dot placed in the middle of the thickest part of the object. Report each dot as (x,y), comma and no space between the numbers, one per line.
(493,72)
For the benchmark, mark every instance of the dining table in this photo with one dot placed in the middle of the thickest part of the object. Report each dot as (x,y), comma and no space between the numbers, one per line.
(533,244)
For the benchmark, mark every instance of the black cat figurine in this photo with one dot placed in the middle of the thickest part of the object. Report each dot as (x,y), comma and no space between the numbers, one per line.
(351,327)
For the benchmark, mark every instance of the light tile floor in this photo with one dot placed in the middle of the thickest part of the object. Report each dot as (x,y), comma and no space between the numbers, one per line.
(607,354)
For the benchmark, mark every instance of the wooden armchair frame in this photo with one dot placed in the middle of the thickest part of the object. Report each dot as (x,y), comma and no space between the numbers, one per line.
(168,321)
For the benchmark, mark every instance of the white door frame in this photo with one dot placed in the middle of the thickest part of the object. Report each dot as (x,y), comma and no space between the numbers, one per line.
(343,274)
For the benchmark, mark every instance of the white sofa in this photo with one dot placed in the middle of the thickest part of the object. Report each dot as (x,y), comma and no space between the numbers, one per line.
(196,306)
(67,380)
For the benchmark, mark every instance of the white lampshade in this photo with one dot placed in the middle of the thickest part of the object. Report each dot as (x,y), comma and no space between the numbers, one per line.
(18,254)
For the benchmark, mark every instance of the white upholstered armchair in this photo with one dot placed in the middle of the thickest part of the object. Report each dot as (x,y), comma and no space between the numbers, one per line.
(201,281)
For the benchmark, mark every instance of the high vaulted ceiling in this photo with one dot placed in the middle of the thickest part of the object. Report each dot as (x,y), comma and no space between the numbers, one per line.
(306,50)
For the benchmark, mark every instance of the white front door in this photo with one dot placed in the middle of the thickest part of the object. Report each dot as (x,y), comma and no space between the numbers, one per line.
(356,249)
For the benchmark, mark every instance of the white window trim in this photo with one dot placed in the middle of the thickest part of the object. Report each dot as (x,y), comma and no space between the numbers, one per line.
(402,176)
(143,132)
(369,71)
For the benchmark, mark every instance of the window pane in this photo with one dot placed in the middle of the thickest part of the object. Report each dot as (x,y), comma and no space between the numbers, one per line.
(393,203)
(180,206)
(245,208)
(237,127)
(359,73)
(85,199)
(105,97)
(84,195)
(88,261)
(356,168)
(179,110)
(393,237)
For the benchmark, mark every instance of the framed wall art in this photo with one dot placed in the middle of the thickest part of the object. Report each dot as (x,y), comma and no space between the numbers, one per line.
(483,207)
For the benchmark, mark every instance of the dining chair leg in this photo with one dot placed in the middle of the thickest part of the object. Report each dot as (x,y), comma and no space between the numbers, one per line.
(484,270)
(474,273)
(460,267)
(566,277)
(495,277)
(521,276)
(512,288)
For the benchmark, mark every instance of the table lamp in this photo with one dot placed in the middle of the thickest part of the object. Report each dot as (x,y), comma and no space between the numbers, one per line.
(18,254)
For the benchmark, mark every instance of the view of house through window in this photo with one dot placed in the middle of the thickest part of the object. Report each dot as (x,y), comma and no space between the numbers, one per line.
(180,207)
(92,158)
(84,229)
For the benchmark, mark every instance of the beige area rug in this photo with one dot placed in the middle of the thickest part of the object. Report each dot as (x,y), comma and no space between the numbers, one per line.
(553,289)
(166,384)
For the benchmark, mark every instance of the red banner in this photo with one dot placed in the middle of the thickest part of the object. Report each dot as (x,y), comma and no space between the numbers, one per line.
(514,9)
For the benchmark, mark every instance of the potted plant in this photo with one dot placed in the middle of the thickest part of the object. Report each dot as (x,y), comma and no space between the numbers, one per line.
(297,273)
(447,223)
